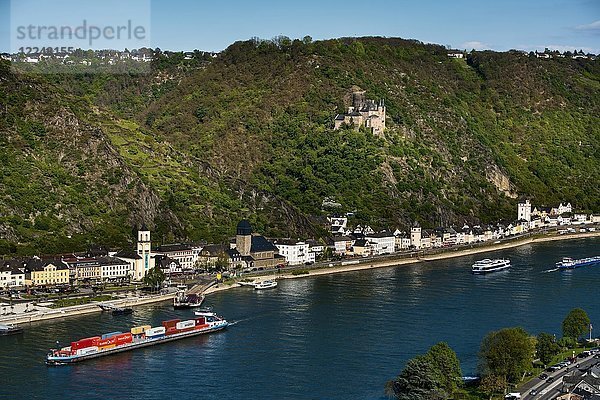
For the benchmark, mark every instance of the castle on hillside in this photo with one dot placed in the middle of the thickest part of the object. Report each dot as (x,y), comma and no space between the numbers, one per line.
(363,112)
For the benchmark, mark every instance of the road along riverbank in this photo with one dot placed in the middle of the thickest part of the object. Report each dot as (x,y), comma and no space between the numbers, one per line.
(45,314)
(365,264)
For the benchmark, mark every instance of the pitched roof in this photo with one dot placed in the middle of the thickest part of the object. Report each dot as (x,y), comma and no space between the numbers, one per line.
(213,250)
(165,261)
(12,265)
(380,235)
(128,254)
(342,239)
(35,264)
(360,243)
(233,254)
(260,243)
(288,242)
(576,379)
(110,261)
(168,248)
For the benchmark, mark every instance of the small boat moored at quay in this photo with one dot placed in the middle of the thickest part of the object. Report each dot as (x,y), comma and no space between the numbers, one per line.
(8,330)
(186,302)
(265,285)
(487,266)
(122,311)
(116,310)
(569,263)
(137,337)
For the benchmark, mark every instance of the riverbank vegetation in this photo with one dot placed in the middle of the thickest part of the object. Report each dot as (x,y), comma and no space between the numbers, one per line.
(508,358)
(78,301)
(432,376)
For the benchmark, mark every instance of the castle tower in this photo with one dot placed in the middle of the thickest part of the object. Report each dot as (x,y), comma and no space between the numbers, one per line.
(144,248)
(243,238)
(524,211)
(415,236)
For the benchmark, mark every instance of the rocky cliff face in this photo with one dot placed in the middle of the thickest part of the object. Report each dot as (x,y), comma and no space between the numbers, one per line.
(63,180)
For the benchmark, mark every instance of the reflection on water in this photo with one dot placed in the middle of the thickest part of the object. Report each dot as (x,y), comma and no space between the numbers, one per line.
(329,337)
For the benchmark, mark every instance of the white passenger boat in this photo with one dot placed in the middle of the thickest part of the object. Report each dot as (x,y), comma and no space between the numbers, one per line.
(265,285)
(487,266)
(569,263)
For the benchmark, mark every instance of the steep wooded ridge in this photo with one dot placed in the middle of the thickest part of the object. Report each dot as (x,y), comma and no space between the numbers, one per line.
(193,147)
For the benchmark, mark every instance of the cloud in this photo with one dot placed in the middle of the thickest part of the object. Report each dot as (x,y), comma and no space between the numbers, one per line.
(593,27)
(475,45)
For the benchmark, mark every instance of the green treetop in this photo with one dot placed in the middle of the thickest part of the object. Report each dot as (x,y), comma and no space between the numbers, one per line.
(576,324)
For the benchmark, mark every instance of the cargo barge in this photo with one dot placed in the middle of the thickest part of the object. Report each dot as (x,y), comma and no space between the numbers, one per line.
(138,337)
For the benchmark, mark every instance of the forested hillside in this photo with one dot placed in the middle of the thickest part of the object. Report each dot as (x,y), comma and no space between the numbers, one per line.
(195,146)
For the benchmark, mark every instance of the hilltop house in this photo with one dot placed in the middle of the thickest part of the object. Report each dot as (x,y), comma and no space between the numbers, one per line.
(337,225)
(363,113)
(456,54)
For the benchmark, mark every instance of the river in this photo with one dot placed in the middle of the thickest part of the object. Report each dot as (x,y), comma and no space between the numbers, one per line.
(328,337)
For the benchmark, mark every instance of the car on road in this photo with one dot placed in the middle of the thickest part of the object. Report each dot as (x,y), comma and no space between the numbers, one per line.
(564,364)
(543,377)
(550,380)
(533,392)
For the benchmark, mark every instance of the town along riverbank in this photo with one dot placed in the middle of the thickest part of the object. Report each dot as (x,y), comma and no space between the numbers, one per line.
(39,312)
(315,335)
(360,264)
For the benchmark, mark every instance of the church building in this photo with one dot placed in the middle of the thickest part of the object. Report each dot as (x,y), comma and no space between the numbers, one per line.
(255,249)
(142,259)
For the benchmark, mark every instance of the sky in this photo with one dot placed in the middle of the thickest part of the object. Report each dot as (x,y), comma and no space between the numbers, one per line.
(213,25)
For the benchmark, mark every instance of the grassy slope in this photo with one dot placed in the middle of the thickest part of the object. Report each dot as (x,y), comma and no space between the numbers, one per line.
(250,134)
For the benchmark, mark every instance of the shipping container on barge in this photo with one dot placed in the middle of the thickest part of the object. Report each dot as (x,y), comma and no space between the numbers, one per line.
(137,337)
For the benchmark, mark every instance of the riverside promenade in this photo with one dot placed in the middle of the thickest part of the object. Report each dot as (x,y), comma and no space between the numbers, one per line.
(399,259)
(27,313)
